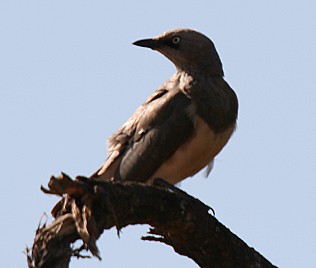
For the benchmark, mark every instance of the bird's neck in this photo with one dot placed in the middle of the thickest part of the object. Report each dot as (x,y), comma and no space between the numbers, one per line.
(198,72)
(187,80)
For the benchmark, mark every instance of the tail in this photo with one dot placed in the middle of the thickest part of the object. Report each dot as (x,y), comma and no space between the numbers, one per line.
(107,171)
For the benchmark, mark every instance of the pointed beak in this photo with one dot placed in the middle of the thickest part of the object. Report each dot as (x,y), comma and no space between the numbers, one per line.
(150,43)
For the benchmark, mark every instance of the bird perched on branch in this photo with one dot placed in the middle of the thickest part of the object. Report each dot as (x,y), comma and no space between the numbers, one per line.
(184,124)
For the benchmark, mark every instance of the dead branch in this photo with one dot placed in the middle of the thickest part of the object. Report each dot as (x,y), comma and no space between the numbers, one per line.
(177,219)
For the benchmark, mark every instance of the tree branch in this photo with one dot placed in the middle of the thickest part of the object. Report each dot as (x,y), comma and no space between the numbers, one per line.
(177,219)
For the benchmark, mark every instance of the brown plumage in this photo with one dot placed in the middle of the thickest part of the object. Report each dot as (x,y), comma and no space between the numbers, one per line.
(184,124)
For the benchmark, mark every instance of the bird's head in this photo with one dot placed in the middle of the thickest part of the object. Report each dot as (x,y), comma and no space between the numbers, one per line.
(189,50)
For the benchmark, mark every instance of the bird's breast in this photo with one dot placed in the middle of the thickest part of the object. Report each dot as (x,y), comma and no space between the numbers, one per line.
(193,155)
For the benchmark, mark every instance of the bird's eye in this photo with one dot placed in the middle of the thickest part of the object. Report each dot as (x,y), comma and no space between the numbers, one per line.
(176,40)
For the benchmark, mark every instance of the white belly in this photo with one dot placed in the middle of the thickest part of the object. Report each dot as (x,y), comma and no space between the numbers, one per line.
(195,154)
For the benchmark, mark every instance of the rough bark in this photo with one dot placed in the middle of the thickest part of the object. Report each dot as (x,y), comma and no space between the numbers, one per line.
(177,219)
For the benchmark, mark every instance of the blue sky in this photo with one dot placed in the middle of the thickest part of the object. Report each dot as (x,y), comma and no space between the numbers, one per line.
(70,77)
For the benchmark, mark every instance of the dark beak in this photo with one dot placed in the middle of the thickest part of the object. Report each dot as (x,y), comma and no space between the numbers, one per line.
(150,43)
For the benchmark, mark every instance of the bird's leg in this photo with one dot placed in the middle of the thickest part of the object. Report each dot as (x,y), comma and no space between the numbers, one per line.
(170,187)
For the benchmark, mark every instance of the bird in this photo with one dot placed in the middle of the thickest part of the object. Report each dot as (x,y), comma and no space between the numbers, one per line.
(186,121)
